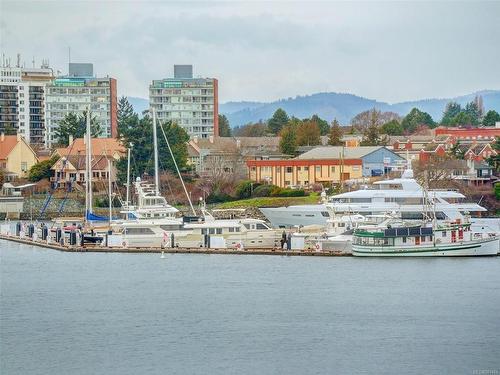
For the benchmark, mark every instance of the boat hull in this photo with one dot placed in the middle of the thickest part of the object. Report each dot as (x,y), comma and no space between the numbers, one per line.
(486,247)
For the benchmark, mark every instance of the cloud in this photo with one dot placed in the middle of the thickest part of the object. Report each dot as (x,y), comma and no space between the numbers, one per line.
(264,51)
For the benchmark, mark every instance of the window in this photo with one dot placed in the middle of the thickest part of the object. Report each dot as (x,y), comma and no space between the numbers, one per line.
(139,231)
(261,226)
(306,169)
(289,169)
(325,214)
(24,166)
(443,233)
(218,230)
(318,169)
(422,238)
(404,239)
(333,168)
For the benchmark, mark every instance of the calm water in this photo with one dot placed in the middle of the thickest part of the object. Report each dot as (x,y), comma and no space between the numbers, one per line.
(205,314)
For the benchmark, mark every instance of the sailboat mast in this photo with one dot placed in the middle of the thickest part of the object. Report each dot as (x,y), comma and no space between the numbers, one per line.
(89,155)
(128,176)
(155,142)
(109,188)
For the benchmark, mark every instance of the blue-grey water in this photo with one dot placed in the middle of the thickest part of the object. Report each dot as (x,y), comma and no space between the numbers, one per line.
(64,313)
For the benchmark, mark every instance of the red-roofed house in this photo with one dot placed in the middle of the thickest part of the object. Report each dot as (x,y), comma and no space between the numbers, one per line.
(16,156)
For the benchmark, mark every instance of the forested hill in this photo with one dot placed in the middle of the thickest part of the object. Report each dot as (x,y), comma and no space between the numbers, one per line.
(344,106)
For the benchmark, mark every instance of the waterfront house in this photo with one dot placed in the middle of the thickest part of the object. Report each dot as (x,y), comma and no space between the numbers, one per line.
(16,156)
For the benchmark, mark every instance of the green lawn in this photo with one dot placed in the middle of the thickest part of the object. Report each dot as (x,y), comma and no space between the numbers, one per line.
(270,202)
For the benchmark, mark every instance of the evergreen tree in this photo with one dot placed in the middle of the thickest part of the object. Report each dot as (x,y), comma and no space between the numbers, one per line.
(451,110)
(76,126)
(140,135)
(392,127)
(335,136)
(324,129)
(491,118)
(308,134)
(42,169)
(472,110)
(224,128)
(278,121)
(125,114)
(288,141)
(463,118)
(415,118)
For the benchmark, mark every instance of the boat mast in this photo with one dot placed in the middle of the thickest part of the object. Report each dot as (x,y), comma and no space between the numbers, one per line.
(177,169)
(155,142)
(109,188)
(88,165)
(128,176)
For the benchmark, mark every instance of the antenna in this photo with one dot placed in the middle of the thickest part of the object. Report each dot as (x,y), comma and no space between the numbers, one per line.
(69,55)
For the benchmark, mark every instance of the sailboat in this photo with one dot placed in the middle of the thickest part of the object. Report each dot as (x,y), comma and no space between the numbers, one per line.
(154,223)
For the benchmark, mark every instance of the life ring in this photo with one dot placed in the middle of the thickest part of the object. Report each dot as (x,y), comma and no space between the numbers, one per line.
(238,245)
(317,247)
(125,243)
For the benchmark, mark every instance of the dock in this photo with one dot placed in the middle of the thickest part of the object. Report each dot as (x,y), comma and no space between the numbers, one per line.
(170,250)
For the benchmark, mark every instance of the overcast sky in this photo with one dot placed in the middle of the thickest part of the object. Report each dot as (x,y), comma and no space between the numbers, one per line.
(265,51)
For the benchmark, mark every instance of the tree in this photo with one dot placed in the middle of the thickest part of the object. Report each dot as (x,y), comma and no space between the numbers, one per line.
(473,111)
(125,115)
(371,136)
(251,130)
(451,110)
(278,121)
(224,128)
(491,118)
(288,141)
(42,170)
(322,124)
(335,136)
(140,134)
(2,177)
(308,134)
(76,126)
(392,127)
(463,118)
(494,160)
(415,118)
(362,120)
(456,151)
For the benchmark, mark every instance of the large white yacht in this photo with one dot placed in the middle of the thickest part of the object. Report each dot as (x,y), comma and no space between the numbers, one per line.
(404,196)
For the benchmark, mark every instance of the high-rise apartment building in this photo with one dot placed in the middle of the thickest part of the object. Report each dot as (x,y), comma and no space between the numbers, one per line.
(22,100)
(190,102)
(78,91)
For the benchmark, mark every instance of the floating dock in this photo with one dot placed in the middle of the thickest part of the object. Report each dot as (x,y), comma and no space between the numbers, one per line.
(170,250)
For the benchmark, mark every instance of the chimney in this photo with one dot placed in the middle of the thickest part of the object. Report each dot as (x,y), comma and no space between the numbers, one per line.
(70,139)
(2,137)
(211,139)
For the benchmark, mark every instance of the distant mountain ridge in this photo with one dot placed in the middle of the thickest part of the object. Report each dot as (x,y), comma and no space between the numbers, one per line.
(345,106)
(332,105)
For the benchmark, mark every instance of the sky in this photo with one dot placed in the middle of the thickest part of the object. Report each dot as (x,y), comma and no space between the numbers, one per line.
(263,51)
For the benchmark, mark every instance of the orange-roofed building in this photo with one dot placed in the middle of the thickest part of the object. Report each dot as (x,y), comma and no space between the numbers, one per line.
(100,147)
(16,156)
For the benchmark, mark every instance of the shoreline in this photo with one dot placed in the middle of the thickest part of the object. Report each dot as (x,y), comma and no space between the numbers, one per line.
(177,250)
